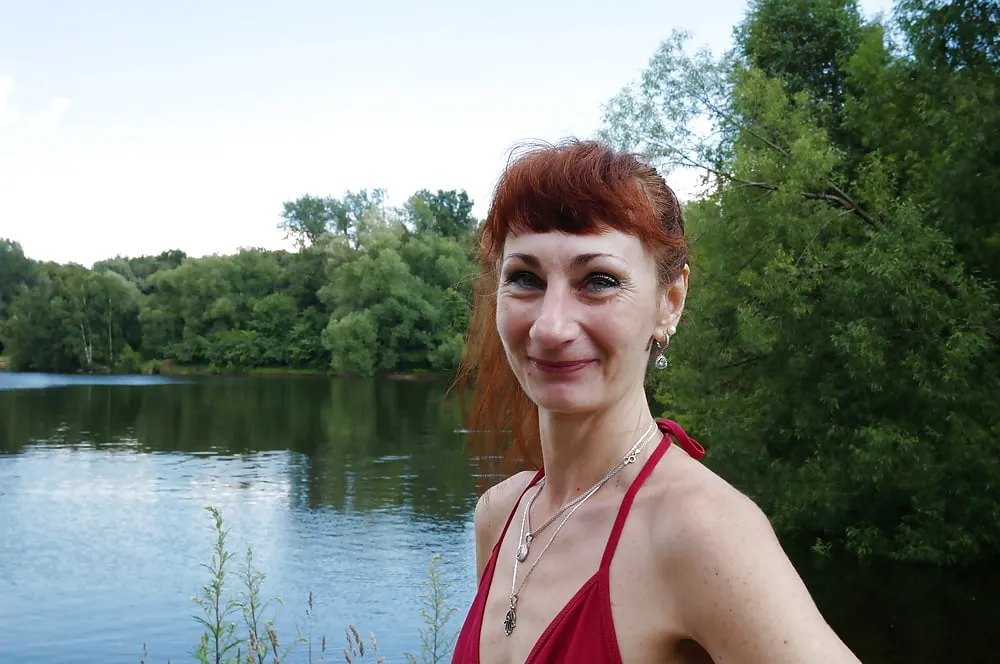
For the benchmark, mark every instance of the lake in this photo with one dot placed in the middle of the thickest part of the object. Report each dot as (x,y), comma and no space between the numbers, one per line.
(344,488)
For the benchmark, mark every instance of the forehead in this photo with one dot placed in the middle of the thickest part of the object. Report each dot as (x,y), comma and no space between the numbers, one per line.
(563,247)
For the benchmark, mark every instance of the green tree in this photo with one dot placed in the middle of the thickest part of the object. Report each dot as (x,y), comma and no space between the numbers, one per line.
(379,283)
(139,270)
(363,294)
(305,219)
(33,336)
(308,218)
(16,270)
(115,312)
(446,269)
(306,274)
(272,319)
(931,104)
(72,319)
(353,343)
(804,43)
(837,350)
(445,213)
(413,290)
(192,310)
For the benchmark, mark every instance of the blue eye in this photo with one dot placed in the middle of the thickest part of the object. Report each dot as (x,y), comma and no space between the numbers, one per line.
(600,281)
(523,280)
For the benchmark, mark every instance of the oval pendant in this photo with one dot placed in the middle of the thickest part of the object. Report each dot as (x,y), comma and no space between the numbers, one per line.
(522,553)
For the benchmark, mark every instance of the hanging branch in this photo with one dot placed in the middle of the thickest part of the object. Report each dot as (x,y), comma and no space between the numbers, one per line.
(840,199)
(702,95)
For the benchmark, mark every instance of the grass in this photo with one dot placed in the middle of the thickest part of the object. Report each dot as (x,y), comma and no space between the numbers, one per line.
(239,627)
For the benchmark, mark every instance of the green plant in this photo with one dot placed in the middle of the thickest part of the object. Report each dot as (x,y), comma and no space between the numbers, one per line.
(129,361)
(152,368)
(219,639)
(436,641)
(261,635)
(822,549)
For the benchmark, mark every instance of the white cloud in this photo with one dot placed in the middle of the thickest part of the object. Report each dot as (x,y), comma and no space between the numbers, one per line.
(8,113)
(49,120)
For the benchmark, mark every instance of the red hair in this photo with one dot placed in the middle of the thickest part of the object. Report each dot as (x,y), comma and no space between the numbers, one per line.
(579,187)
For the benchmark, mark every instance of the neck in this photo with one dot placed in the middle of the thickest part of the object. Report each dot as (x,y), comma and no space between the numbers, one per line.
(577,451)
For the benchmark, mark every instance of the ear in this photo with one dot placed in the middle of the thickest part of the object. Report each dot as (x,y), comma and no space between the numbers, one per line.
(672,305)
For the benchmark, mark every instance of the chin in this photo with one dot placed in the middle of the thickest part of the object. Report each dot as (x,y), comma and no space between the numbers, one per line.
(564,399)
(582,392)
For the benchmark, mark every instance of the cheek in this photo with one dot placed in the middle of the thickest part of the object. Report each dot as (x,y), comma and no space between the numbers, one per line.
(513,320)
(622,329)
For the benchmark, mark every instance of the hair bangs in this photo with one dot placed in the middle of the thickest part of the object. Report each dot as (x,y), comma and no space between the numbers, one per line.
(579,188)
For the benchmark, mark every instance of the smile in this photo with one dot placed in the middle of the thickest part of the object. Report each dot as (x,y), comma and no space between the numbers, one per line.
(567,367)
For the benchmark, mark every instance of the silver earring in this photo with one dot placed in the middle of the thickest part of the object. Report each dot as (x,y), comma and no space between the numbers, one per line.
(661,360)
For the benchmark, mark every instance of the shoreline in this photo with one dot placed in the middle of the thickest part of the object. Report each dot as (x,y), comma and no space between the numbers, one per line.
(159,368)
(196,370)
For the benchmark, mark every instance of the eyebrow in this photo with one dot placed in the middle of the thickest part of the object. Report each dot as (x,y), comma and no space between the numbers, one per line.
(581,259)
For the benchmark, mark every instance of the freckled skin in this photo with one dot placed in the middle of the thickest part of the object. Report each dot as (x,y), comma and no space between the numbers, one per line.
(698,575)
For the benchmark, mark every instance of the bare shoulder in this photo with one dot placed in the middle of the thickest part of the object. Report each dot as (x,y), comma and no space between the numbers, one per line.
(492,510)
(742,599)
(699,507)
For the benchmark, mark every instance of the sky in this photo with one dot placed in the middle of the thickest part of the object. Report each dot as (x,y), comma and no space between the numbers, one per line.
(130,128)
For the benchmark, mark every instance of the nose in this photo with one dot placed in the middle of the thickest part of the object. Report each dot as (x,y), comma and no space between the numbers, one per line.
(556,324)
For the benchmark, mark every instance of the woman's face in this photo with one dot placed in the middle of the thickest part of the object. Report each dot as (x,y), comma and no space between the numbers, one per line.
(575,314)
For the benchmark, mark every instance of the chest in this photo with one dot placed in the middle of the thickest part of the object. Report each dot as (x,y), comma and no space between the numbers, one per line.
(570,601)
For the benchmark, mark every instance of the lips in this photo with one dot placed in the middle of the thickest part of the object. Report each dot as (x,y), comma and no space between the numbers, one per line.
(561,367)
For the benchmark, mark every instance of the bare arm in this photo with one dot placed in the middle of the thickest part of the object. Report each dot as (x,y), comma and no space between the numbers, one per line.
(743,601)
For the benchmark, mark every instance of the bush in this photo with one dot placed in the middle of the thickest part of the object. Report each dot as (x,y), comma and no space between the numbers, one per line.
(129,361)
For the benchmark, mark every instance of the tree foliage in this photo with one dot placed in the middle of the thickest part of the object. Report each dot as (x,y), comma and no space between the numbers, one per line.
(307,219)
(841,331)
(72,318)
(371,290)
(803,43)
(16,271)
(443,213)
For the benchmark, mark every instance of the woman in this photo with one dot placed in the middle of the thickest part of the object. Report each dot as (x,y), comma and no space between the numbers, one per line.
(622,548)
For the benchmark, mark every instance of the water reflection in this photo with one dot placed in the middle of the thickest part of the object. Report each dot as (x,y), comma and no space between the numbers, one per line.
(344,488)
(364,444)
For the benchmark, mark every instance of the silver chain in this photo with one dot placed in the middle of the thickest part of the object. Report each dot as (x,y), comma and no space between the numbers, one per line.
(628,458)
(515,589)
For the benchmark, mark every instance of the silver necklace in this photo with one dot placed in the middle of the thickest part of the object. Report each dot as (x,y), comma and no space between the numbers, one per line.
(524,543)
(510,620)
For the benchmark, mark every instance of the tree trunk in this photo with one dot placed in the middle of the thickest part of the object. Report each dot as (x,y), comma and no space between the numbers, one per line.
(111,347)
(88,352)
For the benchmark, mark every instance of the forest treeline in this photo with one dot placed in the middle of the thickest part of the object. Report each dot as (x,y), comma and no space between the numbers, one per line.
(839,354)
(369,290)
